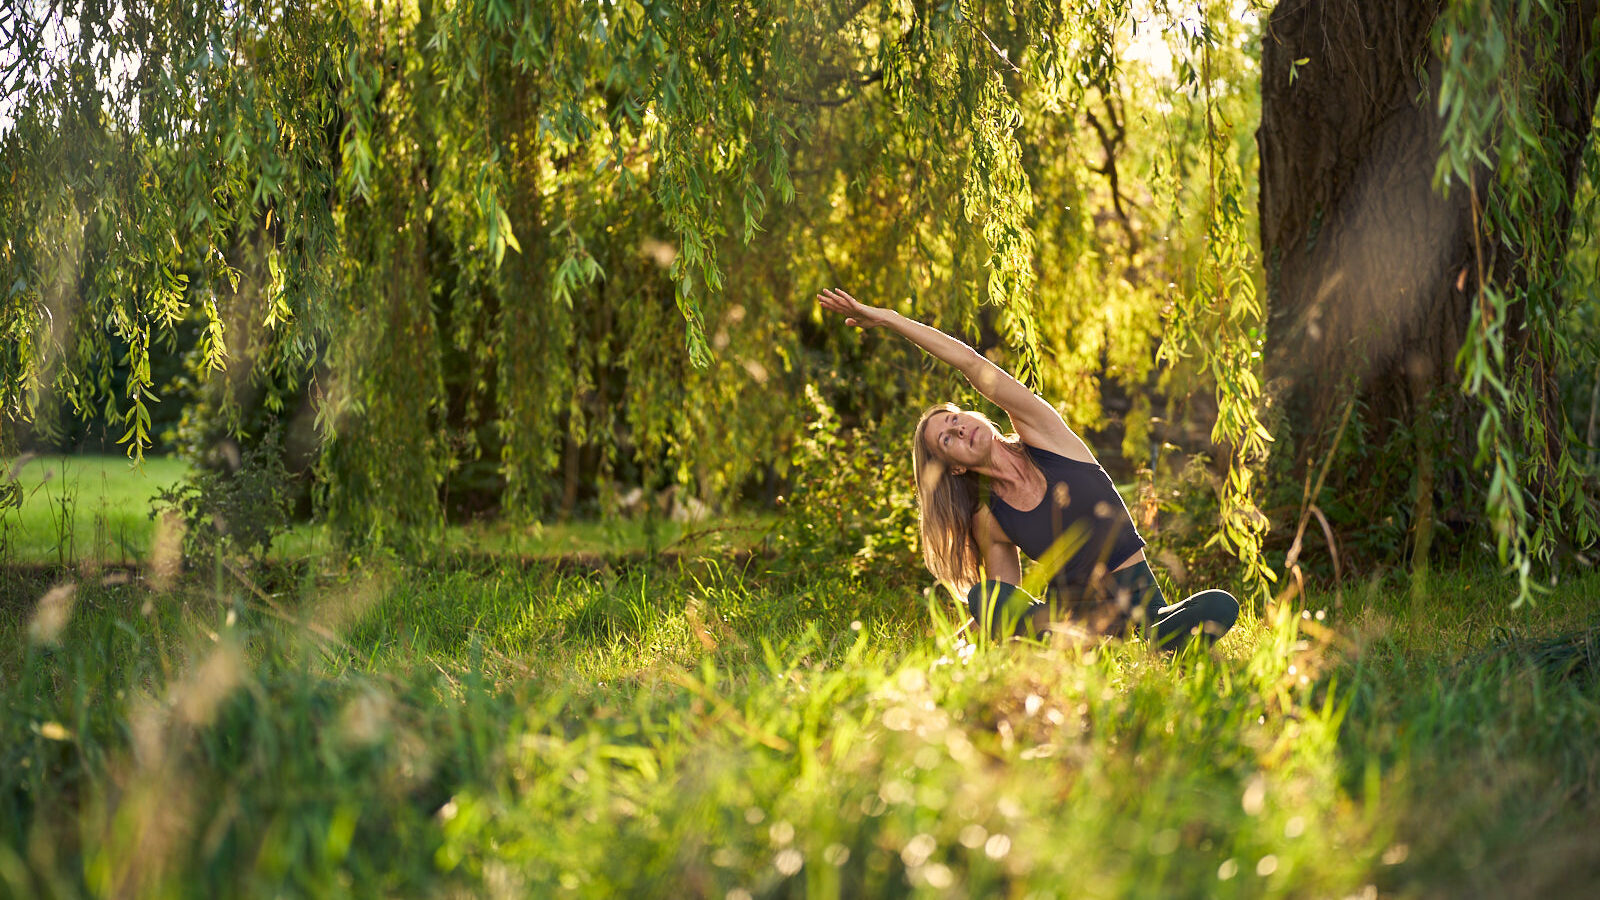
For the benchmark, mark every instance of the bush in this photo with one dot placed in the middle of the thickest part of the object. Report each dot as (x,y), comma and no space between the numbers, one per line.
(852,499)
(234,512)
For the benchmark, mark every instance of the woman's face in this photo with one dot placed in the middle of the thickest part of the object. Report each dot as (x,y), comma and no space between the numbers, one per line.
(959,439)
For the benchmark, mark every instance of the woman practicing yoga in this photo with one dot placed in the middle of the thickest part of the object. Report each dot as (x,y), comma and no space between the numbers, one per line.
(984,495)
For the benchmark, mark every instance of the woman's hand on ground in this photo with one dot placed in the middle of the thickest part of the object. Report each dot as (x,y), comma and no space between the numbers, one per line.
(855,312)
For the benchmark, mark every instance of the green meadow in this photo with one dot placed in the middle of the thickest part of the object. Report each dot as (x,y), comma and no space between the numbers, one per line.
(102,510)
(724,722)
(83,508)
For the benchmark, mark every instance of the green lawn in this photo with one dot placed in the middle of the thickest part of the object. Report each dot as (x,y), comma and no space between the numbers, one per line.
(692,728)
(553,711)
(96,509)
(85,508)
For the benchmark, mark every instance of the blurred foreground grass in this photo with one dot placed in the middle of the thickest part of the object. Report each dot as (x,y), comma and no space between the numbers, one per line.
(695,728)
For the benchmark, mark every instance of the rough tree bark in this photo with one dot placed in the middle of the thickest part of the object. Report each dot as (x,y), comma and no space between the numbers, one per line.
(1370,272)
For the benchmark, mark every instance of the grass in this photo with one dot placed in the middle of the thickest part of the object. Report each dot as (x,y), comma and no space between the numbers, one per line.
(84,508)
(606,538)
(558,712)
(96,510)
(694,728)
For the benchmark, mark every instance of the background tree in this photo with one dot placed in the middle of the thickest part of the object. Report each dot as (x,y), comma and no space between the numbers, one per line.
(1396,275)
(516,256)
(557,173)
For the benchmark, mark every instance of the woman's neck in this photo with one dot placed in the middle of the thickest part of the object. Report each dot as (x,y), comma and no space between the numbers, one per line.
(1009,469)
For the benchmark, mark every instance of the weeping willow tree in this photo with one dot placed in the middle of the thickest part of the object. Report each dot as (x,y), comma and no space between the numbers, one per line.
(476,227)
(572,243)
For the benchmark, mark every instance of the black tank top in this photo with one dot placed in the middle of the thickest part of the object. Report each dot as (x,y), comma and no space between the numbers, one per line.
(1081,503)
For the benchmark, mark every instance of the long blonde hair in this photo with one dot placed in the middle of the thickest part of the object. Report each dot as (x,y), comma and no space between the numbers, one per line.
(946,504)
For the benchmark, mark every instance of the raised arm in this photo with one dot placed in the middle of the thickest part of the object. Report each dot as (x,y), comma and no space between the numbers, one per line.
(1035,420)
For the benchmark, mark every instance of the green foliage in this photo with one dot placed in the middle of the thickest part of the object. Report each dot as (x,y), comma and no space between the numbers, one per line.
(233,511)
(11,496)
(1580,388)
(482,224)
(132,189)
(1509,118)
(1219,318)
(853,502)
(520,250)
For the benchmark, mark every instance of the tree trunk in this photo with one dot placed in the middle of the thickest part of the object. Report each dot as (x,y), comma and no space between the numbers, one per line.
(571,474)
(1370,272)
(1364,258)
(532,329)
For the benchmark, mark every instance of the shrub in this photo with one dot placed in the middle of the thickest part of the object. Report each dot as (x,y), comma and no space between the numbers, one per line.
(852,499)
(234,512)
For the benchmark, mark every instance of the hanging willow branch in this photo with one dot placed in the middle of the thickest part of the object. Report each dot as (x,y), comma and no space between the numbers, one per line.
(1219,319)
(489,231)
(1518,96)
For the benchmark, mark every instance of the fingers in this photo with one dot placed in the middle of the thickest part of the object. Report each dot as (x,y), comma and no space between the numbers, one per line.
(830,301)
(837,300)
(855,313)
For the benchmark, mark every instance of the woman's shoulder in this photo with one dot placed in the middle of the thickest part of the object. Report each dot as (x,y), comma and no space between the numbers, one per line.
(1062,454)
(1056,438)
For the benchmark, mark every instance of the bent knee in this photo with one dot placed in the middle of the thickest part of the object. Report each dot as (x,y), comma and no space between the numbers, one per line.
(1221,607)
(991,593)
(1001,607)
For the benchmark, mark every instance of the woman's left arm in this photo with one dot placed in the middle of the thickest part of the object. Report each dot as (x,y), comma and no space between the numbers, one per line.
(1035,420)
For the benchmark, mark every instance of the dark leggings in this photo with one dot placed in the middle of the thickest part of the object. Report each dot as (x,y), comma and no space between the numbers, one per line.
(1127,599)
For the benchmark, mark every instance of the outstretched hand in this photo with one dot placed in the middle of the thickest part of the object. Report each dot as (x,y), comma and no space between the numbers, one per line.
(855,312)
